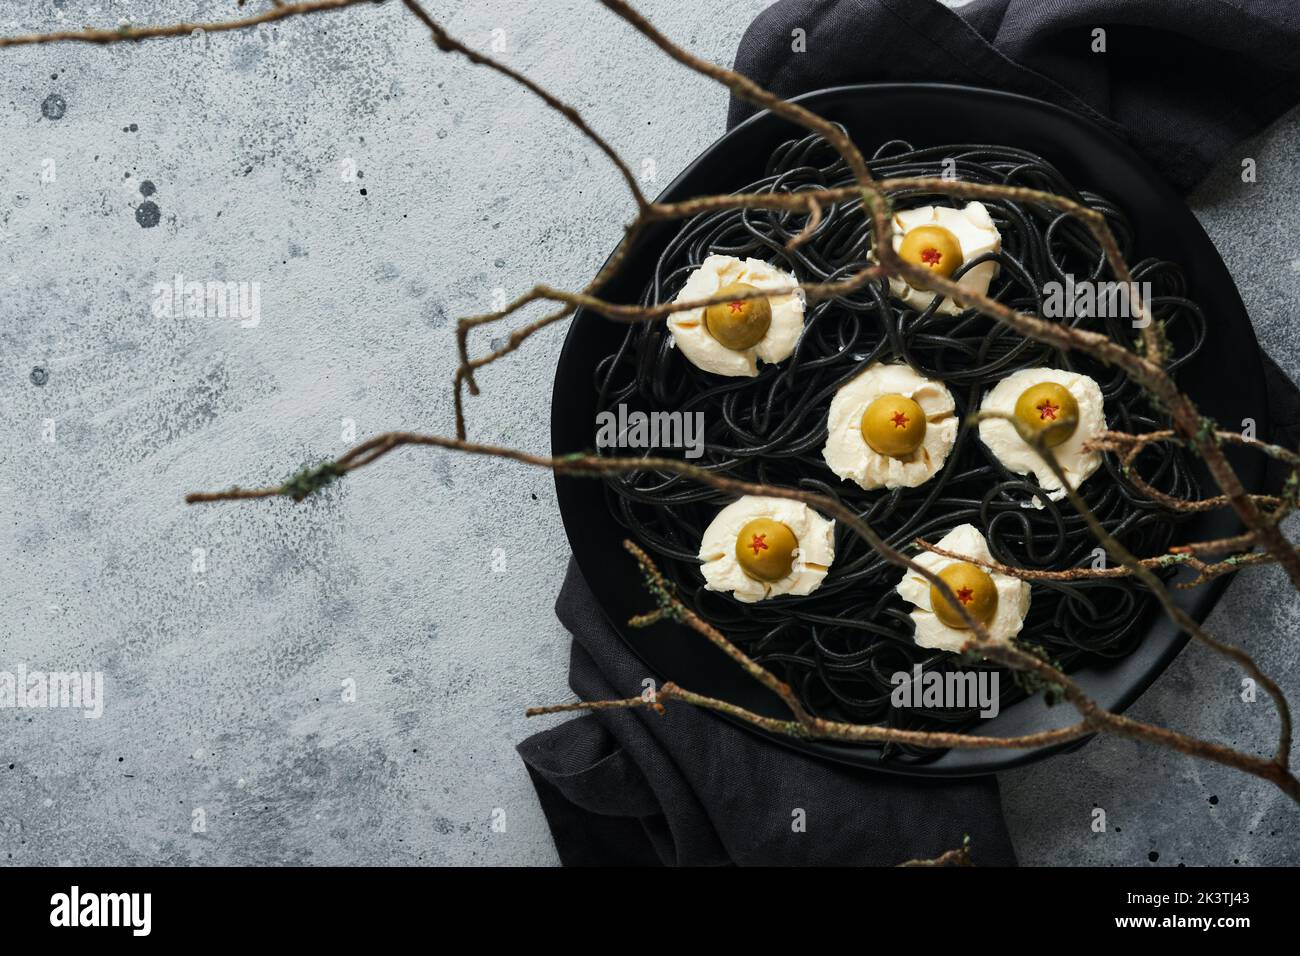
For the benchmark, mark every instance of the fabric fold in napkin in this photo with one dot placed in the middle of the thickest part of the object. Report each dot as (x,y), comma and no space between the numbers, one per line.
(1182,81)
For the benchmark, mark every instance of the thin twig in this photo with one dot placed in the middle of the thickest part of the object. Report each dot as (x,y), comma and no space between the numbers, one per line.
(124,33)
(958,857)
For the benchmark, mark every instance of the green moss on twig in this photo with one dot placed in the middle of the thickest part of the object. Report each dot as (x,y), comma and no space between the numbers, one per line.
(1031,683)
(310,479)
(1208,432)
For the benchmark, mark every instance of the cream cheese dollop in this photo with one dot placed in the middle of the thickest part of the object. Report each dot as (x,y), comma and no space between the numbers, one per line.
(691,334)
(1017,455)
(812,557)
(976,234)
(847,452)
(1013,594)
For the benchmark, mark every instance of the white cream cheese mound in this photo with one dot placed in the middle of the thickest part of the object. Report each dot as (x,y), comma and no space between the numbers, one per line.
(1018,455)
(691,335)
(812,557)
(976,235)
(1013,594)
(847,452)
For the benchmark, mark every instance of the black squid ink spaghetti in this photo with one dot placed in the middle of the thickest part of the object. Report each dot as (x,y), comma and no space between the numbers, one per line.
(839,645)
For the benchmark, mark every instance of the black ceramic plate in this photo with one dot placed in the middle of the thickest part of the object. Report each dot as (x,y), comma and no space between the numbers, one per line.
(1225,378)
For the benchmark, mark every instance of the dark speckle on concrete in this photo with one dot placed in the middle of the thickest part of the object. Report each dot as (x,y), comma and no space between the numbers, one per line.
(53,107)
(1153,856)
(39,376)
(434,312)
(147,214)
(147,188)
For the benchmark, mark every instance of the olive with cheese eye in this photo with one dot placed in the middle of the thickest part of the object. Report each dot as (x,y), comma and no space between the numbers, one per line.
(933,247)
(1043,405)
(765,549)
(973,587)
(893,425)
(738,324)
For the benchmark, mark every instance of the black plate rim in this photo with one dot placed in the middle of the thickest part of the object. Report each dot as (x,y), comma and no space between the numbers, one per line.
(1198,602)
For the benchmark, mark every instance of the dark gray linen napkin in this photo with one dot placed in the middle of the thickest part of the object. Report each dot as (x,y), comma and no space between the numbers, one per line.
(1182,81)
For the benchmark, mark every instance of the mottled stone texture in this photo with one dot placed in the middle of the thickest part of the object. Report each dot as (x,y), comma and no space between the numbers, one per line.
(426,583)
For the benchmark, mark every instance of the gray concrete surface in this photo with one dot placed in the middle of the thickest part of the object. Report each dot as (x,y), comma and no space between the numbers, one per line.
(230,635)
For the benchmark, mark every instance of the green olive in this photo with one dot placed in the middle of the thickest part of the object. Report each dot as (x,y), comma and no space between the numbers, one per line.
(740,323)
(1043,405)
(765,549)
(973,588)
(933,247)
(893,425)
